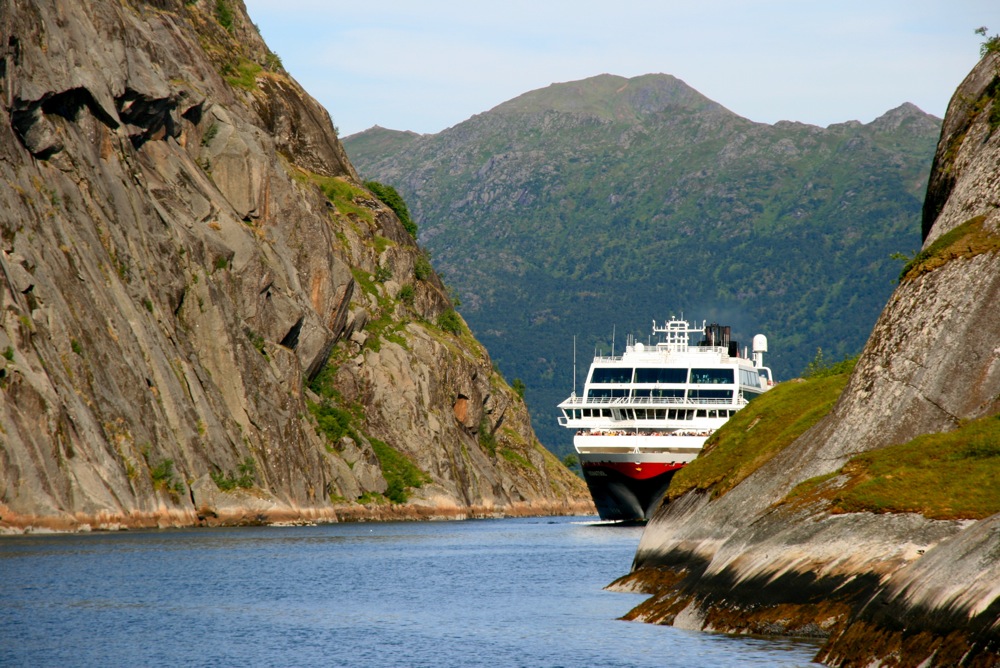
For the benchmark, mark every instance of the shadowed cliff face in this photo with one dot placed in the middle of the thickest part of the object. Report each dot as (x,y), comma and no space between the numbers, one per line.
(183,246)
(894,588)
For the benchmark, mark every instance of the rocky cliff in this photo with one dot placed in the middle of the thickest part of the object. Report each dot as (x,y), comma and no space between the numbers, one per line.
(883,588)
(204,316)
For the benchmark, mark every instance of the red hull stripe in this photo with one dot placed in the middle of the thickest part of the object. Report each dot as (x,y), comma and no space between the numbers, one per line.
(636,470)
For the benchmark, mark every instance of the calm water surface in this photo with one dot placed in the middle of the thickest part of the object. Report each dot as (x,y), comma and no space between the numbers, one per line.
(517,592)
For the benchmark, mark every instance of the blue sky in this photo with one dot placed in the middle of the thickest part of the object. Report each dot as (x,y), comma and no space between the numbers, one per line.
(428,65)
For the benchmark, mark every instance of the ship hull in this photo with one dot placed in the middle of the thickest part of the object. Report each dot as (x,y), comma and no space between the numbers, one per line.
(627,491)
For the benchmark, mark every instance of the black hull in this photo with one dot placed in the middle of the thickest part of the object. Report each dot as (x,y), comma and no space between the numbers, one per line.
(623,499)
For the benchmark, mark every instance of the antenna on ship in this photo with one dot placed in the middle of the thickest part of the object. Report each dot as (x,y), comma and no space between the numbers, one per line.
(574,365)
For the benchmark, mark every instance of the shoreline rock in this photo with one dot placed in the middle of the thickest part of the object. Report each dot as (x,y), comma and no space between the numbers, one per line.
(13,524)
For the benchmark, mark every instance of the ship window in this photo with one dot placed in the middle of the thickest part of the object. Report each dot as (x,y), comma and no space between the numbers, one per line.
(666,393)
(661,375)
(702,414)
(640,413)
(712,376)
(713,414)
(661,413)
(672,414)
(639,394)
(710,394)
(604,394)
(606,412)
(749,377)
(611,375)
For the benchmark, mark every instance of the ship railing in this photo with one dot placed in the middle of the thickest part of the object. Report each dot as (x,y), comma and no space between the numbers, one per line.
(665,347)
(659,434)
(647,401)
(674,401)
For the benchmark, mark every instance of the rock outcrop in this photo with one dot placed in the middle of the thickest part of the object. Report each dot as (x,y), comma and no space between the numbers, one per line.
(185,250)
(883,589)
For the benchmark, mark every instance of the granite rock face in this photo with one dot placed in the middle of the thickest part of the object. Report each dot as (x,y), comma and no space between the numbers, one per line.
(183,247)
(890,589)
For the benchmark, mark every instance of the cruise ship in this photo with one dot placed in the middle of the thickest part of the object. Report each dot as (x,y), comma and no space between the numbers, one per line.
(646,413)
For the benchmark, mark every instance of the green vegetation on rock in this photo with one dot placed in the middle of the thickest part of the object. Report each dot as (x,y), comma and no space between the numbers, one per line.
(394,201)
(224,14)
(244,478)
(516,458)
(820,368)
(341,193)
(757,433)
(950,475)
(450,322)
(969,239)
(399,472)
(332,421)
(990,45)
(242,74)
(422,269)
(162,477)
(487,439)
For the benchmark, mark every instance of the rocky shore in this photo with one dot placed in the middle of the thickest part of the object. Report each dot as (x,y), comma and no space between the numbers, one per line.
(243,513)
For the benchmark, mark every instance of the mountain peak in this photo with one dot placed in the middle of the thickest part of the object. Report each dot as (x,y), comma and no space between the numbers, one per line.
(905,113)
(610,96)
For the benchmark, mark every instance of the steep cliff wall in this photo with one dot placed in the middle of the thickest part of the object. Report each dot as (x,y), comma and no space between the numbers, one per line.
(192,279)
(892,588)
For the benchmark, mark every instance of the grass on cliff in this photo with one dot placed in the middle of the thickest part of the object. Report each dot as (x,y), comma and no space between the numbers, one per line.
(950,475)
(244,478)
(759,432)
(332,421)
(392,199)
(242,73)
(399,472)
(340,192)
(969,239)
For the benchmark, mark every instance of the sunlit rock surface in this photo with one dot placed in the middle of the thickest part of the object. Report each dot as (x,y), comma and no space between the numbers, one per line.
(172,277)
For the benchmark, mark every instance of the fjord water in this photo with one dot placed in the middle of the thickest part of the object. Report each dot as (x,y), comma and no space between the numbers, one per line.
(513,592)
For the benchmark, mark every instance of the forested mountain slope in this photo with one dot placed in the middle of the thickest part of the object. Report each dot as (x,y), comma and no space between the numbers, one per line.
(595,206)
